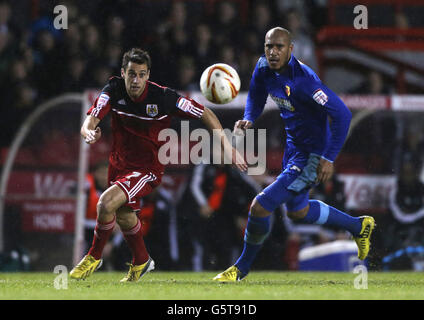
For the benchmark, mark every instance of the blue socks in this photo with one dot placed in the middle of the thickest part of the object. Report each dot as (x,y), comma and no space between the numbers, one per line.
(258,229)
(321,213)
(255,234)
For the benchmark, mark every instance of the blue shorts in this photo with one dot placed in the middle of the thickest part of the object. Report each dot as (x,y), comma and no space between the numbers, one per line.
(293,184)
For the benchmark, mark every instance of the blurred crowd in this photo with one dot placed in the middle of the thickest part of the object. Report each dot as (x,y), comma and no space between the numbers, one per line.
(38,62)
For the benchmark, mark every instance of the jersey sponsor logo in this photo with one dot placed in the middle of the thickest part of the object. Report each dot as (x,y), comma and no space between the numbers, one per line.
(152,110)
(283,103)
(320,97)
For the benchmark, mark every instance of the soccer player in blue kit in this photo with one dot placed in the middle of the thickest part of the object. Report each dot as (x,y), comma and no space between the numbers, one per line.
(312,145)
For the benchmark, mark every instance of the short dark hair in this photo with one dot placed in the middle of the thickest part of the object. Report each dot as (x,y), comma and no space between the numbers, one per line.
(138,56)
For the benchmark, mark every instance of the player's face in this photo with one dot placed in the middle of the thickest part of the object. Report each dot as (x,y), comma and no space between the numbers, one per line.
(135,76)
(278,50)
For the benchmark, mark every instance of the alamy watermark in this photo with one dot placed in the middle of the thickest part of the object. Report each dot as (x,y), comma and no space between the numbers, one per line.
(198,146)
(61,19)
(361,20)
(61,281)
(361,280)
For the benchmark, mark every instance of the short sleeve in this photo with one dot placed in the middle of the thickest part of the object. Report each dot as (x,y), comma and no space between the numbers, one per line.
(182,106)
(102,104)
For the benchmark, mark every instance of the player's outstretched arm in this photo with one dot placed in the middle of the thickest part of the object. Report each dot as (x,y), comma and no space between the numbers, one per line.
(212,123)
(89,130)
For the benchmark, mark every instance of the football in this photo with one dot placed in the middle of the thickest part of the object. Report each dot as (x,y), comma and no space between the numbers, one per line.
(220,83)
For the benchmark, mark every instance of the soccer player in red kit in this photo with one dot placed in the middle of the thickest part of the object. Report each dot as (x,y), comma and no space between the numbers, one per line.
(140,109)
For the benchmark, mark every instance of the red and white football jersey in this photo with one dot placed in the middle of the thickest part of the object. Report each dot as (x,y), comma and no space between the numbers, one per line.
(136,124)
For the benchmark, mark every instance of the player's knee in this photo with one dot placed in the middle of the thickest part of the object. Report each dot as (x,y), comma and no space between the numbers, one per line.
(299,214)
(257,210)
(105,206)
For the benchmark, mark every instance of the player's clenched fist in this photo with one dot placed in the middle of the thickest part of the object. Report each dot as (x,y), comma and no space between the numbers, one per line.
(92,135)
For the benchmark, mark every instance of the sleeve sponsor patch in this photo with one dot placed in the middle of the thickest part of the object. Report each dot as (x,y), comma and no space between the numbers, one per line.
(103,99)
(320,97)
(188,107)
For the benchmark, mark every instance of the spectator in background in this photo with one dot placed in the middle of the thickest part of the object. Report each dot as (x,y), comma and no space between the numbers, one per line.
(208,204)
(204,52)
(113,54)
(48,64)
(304,47)
(18,96)
(187,80)
(171,42)
(176,28)
(71,41)
(404,227)
(74,78)
(96,184)
(5,14)
(260,22)
(228,55)
(91,45)
(373,84)
(115,27)
(413,142)
(226,24)
(401,20)
(100,76)
(8,40)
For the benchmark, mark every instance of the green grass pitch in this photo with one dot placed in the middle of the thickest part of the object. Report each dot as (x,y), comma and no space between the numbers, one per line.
(198,286)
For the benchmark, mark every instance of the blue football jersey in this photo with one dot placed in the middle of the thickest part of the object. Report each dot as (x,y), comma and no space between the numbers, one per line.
(305,104)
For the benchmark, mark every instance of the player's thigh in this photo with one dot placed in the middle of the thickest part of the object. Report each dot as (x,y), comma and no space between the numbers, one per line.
(111,200)
(135,185)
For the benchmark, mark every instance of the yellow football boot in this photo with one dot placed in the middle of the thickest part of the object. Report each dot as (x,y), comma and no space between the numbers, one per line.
(363,239)
(85,268)
(136,272)
(232,274)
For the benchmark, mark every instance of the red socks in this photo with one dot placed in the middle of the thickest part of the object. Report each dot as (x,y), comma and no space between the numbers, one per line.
(102,232)
(134,238)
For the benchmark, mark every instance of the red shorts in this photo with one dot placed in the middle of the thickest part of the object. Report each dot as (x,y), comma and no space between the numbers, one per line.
(135,184)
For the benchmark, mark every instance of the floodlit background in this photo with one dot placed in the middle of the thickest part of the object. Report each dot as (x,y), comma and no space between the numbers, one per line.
(48,76)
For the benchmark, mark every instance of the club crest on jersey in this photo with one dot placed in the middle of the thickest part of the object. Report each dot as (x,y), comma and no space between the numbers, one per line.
(287,89)
(282,103)
(152,110)
(320,97)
